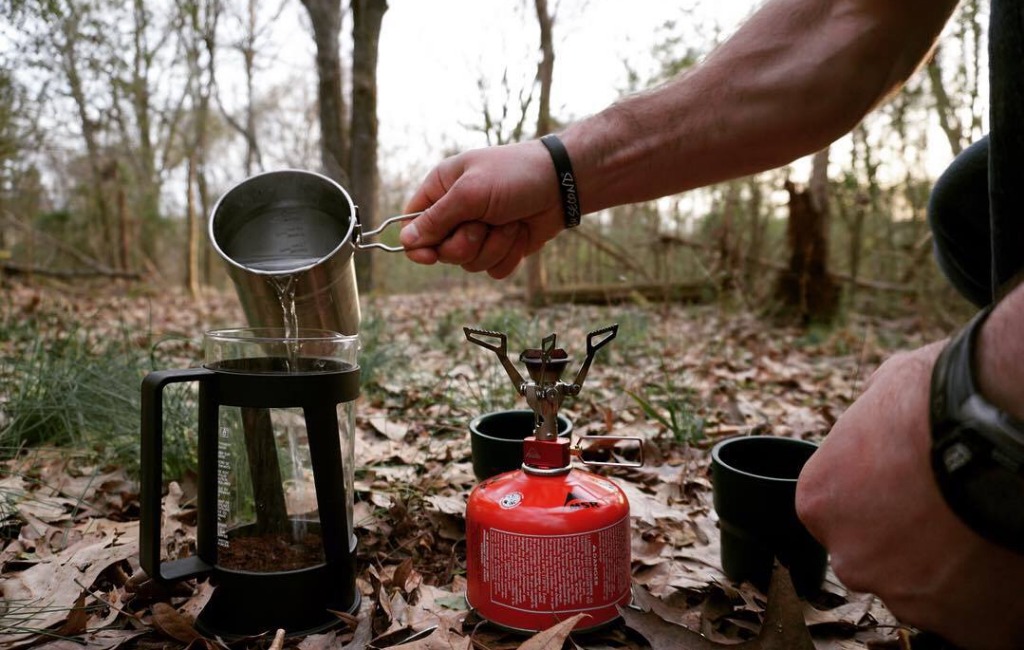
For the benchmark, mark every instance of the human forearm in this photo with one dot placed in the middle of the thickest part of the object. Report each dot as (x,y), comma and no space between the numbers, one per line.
(999,356)
(796,76)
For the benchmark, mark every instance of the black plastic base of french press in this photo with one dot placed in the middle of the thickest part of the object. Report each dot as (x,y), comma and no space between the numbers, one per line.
(301,602)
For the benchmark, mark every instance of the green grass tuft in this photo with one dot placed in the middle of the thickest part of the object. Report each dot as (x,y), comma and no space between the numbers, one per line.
(65,388)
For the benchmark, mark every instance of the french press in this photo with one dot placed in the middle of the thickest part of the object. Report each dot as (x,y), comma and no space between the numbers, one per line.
(275,459)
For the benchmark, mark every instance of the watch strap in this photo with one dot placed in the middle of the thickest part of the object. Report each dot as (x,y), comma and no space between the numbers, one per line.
(977,450)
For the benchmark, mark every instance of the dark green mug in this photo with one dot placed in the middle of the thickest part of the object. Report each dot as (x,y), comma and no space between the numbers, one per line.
(754,488)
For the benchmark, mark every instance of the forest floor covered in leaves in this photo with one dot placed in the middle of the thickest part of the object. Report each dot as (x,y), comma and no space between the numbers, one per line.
(679,377)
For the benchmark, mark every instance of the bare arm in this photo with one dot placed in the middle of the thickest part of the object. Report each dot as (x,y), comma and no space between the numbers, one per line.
(797,75)
(1000,355)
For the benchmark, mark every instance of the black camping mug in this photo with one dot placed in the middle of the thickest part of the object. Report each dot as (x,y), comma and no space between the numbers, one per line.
(754,487)
(496,440)
(274,505)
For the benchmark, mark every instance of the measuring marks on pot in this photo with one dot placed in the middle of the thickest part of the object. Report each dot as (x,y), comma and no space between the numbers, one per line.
(284,239)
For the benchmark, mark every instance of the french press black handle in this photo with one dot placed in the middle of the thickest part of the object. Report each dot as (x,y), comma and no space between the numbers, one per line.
(152,471)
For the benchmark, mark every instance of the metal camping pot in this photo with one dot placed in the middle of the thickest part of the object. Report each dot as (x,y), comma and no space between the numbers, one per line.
(288,237)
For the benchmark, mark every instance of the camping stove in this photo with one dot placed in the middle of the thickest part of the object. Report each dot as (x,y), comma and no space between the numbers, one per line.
(548,541)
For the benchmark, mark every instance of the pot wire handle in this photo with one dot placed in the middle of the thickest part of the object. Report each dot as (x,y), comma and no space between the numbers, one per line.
(362,236)
(578,450)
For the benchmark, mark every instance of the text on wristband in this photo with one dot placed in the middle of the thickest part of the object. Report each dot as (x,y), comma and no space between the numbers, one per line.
(571,202)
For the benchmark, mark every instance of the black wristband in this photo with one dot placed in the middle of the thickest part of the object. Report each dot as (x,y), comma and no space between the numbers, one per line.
(566,180)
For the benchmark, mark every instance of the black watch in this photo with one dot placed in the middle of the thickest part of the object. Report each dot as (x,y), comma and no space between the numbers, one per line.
(977,449)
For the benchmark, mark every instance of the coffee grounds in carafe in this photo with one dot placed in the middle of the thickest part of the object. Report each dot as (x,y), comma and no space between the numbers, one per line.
(271,552)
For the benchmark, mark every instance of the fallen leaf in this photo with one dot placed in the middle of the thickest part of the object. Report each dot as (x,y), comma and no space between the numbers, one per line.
(58,582)
(447,505)
(391,429)
(99,640)
(846,616)
(405,577)
(646,507)
(171,622)
(554,637)
(663,635)
(198,600)
(328,641)
(76,620)
(783,627)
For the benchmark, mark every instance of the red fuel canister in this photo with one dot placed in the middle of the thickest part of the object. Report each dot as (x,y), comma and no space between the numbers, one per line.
(542,547)
(547,541)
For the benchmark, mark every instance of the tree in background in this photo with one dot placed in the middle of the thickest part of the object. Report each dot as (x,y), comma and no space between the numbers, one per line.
(326,19)
(199,40)
(348,149)
(367,16)
(20,188)
(118,91)
(806,289)
(536,283)
(97,60)
(254,33)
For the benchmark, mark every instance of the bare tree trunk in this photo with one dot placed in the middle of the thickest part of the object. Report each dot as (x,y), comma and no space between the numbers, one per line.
(818,185)
(948,120)
(726,239)
(326,17)
(536,279)
(206,87)
(90,129)
(757,232)
(248,48)
(367,16)
(192,227)
(253,157)
(206,252)
(806,289)
(199,36)
(146,184)
(140,98)
(865,208)
(124,224)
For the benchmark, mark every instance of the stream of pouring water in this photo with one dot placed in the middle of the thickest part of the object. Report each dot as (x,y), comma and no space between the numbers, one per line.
(284,287)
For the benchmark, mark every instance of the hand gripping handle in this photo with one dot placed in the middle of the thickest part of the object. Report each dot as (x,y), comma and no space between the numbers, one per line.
(152,473)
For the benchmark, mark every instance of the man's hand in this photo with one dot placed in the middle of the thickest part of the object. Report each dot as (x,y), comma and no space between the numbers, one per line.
(485,209)
(869,496)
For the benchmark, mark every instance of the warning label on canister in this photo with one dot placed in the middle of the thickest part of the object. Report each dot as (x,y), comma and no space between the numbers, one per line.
(556,573)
